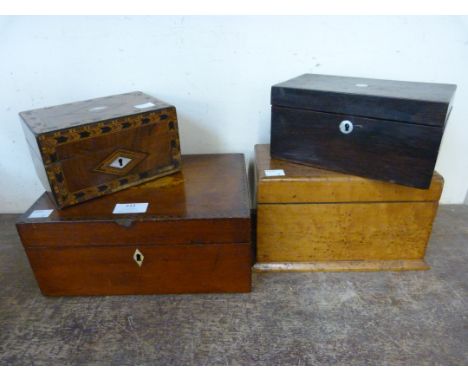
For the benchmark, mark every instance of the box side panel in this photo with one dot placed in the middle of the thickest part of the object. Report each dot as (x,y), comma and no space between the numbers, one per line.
(35,155)
(347,231)
(157,269)
(390,151)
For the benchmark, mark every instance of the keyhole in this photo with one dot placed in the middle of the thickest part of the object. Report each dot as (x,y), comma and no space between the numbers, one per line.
(138,257)
(120,162)
(346,127)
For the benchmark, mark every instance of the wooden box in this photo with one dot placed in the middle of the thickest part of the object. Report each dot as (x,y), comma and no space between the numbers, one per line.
(194,237)
(378,129)
(87,149)
(311,219)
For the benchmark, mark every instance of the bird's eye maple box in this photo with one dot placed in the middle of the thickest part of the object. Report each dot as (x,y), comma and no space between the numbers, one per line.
(189,232)
(310,219)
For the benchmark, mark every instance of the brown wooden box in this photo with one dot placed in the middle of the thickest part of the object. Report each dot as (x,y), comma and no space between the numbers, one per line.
(317,220)
(86,149)
(195,236)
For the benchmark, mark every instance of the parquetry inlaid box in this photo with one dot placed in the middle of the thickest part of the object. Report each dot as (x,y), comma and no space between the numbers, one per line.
(309,219)
(86,149)
(378,129)
(192,236)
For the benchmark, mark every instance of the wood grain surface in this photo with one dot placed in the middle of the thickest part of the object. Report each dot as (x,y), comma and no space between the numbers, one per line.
(75,146)
(343,231)
(309,219)
(195,235)
(308,184)
(108,270)
(377,149)
(59,117)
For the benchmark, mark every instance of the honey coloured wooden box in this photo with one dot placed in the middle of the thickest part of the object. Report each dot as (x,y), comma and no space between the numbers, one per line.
(194,237)
(378,129)
(310,219)
(86,149)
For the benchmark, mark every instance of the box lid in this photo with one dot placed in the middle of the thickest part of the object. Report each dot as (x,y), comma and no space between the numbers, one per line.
(412,102)
(307,184)
(208,202)
(53,118)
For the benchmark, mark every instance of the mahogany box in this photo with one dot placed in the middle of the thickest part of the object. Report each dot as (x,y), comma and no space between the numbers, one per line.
(378,129)
(86,149)
(185,233)
(310,219)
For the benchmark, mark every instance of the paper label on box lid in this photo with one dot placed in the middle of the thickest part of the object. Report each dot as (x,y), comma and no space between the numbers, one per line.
(144,105)
(130,208)
(278,172)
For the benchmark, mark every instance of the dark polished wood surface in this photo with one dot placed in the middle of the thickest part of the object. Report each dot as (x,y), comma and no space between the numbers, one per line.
(414,102)
(391,151)
(391,130)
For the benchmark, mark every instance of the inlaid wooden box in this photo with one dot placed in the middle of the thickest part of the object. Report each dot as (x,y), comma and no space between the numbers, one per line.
(86,149)
(194,236)
(311,219)
(378,129)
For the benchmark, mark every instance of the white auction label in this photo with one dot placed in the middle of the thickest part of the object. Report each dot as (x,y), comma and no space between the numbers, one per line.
(39,214)
(130,208)
(279,172)
(144,105)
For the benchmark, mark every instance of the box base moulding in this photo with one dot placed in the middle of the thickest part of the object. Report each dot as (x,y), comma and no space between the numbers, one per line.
(344,266)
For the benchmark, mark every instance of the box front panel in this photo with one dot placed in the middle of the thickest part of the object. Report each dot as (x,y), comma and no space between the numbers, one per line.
(377,149)
(90,161)
(343,232)
(142,269)
(128,230)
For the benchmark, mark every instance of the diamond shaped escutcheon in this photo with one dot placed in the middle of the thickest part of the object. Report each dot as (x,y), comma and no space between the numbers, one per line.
(138,257)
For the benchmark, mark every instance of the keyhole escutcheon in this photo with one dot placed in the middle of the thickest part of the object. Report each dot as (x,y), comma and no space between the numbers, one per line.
(346,127)
(138,257)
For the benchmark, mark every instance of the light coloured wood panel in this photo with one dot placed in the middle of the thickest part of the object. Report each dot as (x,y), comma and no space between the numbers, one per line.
(343,231)
(307,184)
